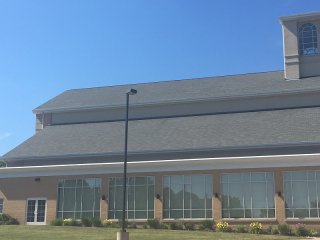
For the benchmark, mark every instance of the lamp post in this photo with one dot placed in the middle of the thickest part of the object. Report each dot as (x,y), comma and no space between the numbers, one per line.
(123,234)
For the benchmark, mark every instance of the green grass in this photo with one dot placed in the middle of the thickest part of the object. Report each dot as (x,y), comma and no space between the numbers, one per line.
(82,233)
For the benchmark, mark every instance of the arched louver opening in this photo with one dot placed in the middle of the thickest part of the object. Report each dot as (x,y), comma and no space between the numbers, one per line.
(308,40)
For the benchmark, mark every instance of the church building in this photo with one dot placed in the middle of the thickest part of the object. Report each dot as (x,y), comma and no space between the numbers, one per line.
(237,148)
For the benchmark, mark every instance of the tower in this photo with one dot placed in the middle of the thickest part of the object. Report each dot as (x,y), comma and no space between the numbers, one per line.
(301,35)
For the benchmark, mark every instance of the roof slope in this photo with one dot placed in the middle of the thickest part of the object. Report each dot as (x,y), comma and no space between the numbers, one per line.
(180,90)
(197,132)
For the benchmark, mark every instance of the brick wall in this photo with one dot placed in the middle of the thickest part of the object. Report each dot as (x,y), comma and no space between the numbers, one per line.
(16,191)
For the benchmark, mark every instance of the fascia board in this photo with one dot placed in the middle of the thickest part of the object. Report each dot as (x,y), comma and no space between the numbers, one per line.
(299,16)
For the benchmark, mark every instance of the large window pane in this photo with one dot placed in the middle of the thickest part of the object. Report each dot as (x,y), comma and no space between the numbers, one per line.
(78,198)
(166,199)
(187,196)
(198,192)
(70,183)
(151,195)
(176,196)
(270,195)
(131,194)
(300,198)
(69,199)
(259,198)
(247,195)
(118,197)
(87,199)
(140,197)
(301,192)
(235,195)
(97,199)
(60,198)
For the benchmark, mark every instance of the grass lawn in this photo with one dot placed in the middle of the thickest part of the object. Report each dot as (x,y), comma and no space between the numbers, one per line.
(82,233)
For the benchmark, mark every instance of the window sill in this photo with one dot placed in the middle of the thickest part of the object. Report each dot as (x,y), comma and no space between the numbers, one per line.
(249,219)
(131,220)
(296,220)
(310,55)
(186,219)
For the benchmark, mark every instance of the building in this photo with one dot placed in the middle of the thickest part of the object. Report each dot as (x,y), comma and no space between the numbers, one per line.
(238,148)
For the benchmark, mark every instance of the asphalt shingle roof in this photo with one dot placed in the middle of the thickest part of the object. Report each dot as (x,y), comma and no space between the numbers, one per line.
(180,90)
(196,132)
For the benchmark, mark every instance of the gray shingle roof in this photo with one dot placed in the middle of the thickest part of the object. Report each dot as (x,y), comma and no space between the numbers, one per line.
(197,132)
(201,88)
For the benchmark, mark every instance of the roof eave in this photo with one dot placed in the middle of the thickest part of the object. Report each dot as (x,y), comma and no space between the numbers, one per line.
(234,97)
(299,16)
(229,148)
(294,160)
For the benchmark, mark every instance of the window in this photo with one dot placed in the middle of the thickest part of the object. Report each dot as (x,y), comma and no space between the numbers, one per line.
(308,41)
(302,194)
(79,198)
(247,195)
(187,196)
(140,197)
(1,205)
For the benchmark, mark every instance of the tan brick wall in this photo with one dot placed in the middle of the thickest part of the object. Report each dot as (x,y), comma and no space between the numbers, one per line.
(216,200)
(104,203)
(158,206)
(51,210)
(279,197)
(16,191)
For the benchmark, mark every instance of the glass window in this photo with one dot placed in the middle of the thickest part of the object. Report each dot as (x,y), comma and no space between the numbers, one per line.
(140,197)
(302,194)
(79,198)
(247,195)
(308,40)
(1,205)
(187,196)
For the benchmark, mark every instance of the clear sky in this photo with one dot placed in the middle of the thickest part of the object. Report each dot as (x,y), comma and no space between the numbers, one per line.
(49,46)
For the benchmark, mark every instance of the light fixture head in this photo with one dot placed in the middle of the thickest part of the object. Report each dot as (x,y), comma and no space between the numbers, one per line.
(132,91)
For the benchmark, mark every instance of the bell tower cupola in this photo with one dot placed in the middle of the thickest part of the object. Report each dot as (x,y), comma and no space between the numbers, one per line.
(301,43)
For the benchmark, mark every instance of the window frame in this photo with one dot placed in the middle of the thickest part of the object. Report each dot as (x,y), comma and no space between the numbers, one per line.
(127,198)
(251,200)
(2,205)
(190,209)
(302,40)
(309,209)
(97,200)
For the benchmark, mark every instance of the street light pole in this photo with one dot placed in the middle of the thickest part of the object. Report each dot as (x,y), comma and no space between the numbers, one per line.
(123,235)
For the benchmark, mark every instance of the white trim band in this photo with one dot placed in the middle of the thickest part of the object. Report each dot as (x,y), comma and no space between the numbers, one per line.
(296,160)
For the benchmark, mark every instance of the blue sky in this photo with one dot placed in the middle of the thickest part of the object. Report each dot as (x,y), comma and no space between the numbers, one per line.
(47,47)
